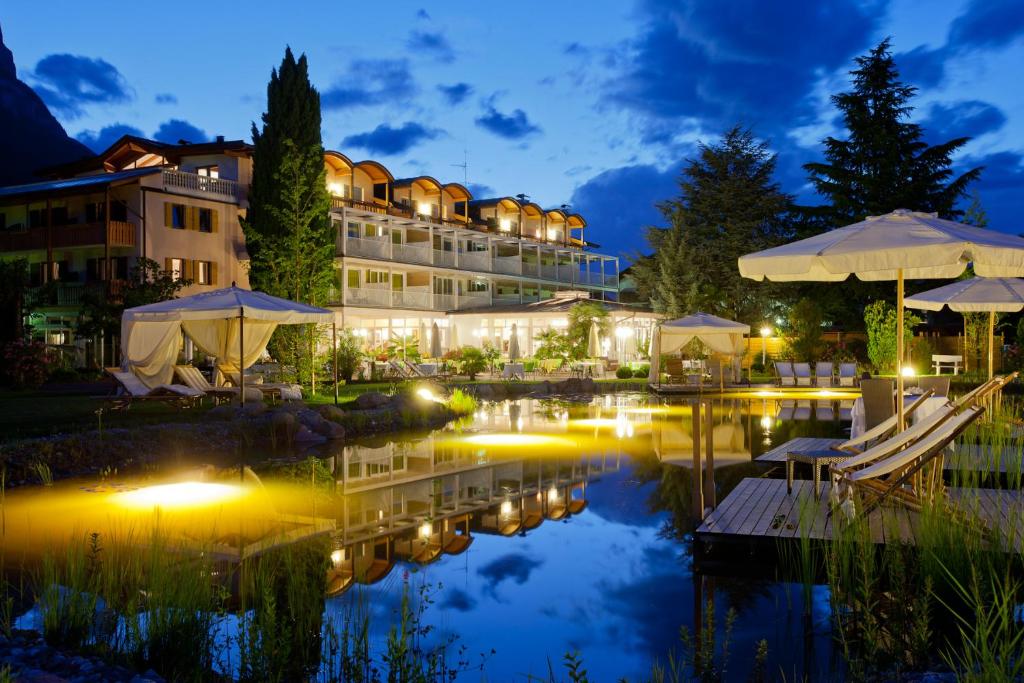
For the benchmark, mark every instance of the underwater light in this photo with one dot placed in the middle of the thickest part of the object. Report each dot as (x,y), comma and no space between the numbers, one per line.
(908,371)
(552,494)
(337,556)
(183,494)
(596,423)
(427,395)
(766,422)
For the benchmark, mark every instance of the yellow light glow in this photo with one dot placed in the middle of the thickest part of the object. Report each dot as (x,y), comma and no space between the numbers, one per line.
(623,332)
(505,224)
(552,494)
(427,395)
(184,494)
(334,189)
(425,529)
(908,371)
(423,208)
(766,331)
(559,322)
(552,234)
(825,393)
(766,422)
(337,557)
(506,508)
(595,423)
(514,440)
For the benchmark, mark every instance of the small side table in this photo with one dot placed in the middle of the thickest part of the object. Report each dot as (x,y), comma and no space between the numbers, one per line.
(817,460)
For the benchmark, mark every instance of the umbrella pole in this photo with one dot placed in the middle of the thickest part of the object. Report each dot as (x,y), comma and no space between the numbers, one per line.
(899,348)
(334,343)
(991,340)
(241,355)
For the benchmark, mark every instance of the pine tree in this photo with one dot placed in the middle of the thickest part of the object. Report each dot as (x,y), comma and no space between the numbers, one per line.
(884,164)
(975,213)
(288,231)
(729,205)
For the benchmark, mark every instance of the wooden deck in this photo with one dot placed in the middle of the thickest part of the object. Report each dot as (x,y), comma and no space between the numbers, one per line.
(761,509)
(971,457)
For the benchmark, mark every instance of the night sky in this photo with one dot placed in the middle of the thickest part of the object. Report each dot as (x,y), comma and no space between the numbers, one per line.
(592,104)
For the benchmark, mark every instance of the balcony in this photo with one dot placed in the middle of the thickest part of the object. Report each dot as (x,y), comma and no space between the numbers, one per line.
(475,260)
(70,294)
(195,185)
(409,253)
(420,299)
(118,234)
(411,298)
(444,258)
(509,265)
(473,300)
(367,246)
(365,296)
(445,302)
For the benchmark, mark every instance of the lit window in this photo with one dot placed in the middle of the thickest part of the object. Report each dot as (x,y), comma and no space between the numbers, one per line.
(209,171)
(203,273)
(177,269)
(505,224)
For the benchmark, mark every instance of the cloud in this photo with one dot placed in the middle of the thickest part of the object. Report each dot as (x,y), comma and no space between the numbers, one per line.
(988,23)
(513,126)
(480,191)
(99,140)
(387,140)
(748,60)
(969,118)
(431,43)
(68,82)
(457,599)
(165,98)
(456,93)
(922,66)
(619,204)
(999,187)
(515,567)
(173,130)
(422,14)
(380,81)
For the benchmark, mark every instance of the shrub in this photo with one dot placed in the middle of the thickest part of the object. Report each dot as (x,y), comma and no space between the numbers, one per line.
(27,364)
(349,354)
(461,403)
(624,372)
(642,372)
(473,361)
(805,319)
(880,319)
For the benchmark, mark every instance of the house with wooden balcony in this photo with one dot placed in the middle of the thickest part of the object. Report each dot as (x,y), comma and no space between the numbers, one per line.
(411,251)
(91,222)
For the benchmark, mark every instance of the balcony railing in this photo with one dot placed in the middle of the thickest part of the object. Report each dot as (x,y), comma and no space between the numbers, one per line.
(118,234)
(410,299)
(413,298)
(368,246)
(363,296)
(510,265)
(445,302)
(342,202)
(444,258)
(197,185)
(408,253)
(475,260)
(69,294)
(473,300)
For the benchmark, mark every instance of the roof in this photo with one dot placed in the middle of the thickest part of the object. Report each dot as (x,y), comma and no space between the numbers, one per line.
(227,303)
(134,144)
(494,201)
(554,305)
(75,185)
(704,323)
(420,180)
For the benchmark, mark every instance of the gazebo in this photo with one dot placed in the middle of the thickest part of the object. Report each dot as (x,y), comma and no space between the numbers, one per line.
(232,324)
(720,335)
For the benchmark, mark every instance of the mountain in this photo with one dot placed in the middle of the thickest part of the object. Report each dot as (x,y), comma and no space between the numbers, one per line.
(30,137)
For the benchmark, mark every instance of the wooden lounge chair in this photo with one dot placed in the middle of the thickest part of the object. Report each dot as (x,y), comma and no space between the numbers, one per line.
(879,404)
(823,374)
(784,371)
(675,371)
(130,389)
(191,377)
(938,385)
(900,478)
(802,372)
(272,390)
(847,374)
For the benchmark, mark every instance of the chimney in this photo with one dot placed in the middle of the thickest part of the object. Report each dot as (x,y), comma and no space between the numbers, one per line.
(220,138)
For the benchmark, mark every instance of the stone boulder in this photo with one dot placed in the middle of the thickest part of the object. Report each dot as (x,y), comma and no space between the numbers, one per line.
(370,400)
(332,413)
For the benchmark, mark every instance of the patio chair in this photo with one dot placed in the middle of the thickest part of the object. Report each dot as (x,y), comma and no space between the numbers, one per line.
(938,385)
(786,410)
(900,478)
(847,374)
(272,390)
(823,374)
(675,371)
(803,410)
(879,404)
(130,389)
(191,377)
(784,370)
(802,372)
(823,411)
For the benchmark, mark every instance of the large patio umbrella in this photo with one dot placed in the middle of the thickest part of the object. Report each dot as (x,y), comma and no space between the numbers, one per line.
(899,245)
(435,341)
(977,295)
(594,341)
(422,344)
(513,345)
(453,337)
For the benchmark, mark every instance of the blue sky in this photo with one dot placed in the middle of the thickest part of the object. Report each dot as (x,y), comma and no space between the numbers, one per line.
(594,105)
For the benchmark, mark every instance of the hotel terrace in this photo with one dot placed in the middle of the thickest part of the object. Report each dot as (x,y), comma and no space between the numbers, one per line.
(410,251)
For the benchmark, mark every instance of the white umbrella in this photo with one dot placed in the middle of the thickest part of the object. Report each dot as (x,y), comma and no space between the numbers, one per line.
(435,341)
(422,343)
(594,341)
(902,244)
(513,345)
(453,337)
(977,295)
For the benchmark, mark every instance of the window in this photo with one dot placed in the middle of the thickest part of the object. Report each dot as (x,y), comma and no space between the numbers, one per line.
(95,212)
(175,216)
(376,277)
(398,281)
(475,247)
(353,279)
(444,285)
(205,221)
(203,273)
(118,211)
(3,221)
(177,268)
(357,193)
(37,218)
(353,229)
(59,215)
(476,286)
(208,171)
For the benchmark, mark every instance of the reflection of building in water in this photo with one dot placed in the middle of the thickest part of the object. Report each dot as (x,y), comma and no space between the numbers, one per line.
(418,500)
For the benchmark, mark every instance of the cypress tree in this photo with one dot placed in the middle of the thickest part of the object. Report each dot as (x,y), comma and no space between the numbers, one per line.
(288,231)
(884,163)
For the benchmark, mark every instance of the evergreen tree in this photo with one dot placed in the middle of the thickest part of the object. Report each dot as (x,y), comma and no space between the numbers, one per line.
(288,231)
(884,164)
(729,205)
(975,213)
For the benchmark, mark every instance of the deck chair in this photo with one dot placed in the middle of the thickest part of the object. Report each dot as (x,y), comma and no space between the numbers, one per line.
(191,377)
(900,478)
(879,404)
(802,372)
(675,371)
(130,389)
(938,385)
(803,410)
(823,374)
(784,370)
(272,390)
(847,374)
(823,411)
(786,410)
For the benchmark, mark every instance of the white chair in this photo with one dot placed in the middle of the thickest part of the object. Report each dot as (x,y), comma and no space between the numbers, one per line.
(802,372)
(784,369)
(822,374)
(847,374)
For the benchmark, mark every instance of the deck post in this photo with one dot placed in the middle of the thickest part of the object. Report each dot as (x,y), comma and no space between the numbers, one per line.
(709,456)
(698,497)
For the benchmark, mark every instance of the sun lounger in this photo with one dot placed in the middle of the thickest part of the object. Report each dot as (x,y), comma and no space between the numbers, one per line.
(784,369)
(822,374)
(803,410)
(802,372)
(847,374)
(131,389)
(191,377)
(823,411)
(272,390)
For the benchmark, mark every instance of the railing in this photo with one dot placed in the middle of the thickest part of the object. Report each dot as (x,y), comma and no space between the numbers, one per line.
(474,300)
(363,296)
(342,202)
(510,265)
(119,234)
(475,260)
(565,273)
(71,293)
(445,302)
(374,248)
(611,280)
(444,258)
(200,185)
(506,298)
(410,299)
(549,272)
(407,253)
(531,269)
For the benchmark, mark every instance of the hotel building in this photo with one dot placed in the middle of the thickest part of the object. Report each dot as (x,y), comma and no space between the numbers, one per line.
(411,252)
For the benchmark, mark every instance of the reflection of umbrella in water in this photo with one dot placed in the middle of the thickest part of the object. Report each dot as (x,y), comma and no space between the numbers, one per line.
(594,341)
(435,341)
(513,345)
(673,443)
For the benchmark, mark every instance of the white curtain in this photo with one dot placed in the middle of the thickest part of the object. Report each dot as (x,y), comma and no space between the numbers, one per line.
(728,343)
(150,349)
(220,338)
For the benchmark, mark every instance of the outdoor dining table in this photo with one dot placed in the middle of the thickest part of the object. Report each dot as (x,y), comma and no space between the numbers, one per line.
(513,371)
(931,404)
(585,368)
